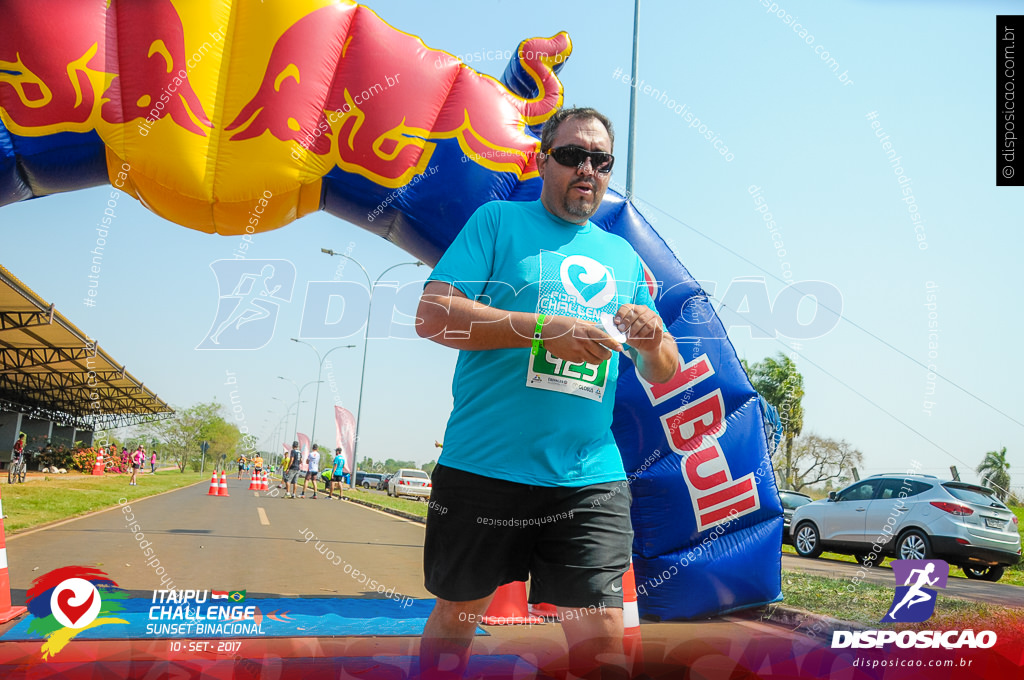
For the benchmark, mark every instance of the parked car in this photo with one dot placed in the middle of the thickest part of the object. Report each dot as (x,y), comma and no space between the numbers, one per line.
(409,482)
(963,524)
(382,485)
(367,480)
(791,500)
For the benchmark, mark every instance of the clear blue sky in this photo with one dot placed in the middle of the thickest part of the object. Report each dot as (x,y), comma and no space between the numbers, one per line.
(794,130)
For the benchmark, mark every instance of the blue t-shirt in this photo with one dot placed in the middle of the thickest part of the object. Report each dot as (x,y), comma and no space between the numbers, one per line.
(339,465)
(527,418)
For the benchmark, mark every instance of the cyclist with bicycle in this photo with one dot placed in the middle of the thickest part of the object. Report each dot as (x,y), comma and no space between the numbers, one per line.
(18,466)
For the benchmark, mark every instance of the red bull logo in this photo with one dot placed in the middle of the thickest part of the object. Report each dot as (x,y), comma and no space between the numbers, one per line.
(381,111)
(68,84)
(308,89)
(693,431)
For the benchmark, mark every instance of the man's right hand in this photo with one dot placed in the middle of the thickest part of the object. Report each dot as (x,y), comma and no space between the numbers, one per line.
(575,340)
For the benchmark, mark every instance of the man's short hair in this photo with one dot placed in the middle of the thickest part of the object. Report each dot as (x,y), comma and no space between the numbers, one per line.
(295,444)
(316,446)
(547,135)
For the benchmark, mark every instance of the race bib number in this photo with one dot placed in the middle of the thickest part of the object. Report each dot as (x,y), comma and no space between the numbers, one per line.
(548,372)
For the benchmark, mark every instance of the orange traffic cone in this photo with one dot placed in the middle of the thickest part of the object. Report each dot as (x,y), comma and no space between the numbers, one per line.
(509,607)
(544,610)
(632,643)
(254,482)
(7,611)
(99,466)
(264,482)
(222,489)
(213,485)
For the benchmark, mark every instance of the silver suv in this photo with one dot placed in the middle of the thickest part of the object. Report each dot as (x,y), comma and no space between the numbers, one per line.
(912,518)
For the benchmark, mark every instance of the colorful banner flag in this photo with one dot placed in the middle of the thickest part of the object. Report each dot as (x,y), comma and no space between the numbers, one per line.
(218,594)
(304,447)
(346,427)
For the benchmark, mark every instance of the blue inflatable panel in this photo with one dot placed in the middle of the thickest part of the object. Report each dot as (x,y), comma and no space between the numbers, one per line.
(695,450)
(728,571)
(12,185)
(66,161)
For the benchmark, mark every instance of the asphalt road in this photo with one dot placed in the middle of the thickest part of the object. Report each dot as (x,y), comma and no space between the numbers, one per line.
(978,591)
(252,541)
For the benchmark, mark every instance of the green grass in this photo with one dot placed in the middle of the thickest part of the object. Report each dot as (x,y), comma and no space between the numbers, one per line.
(418,508)
(49,498)
(866,604)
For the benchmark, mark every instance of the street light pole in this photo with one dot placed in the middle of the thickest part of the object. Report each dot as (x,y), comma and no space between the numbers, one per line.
(319,375)
(366,343)
(283,422)
(298,401)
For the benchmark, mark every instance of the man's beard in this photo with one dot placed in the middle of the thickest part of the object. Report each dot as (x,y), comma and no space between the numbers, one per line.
(581,207)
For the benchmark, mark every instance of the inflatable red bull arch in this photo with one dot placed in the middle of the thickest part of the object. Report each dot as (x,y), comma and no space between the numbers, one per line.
(203,110)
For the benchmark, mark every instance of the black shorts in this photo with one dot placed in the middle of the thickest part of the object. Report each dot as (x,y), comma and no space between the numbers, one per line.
(312,475)
(338,478)
(573,543)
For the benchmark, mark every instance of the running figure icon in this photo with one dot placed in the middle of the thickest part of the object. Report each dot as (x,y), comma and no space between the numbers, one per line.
(248,310)
(914,594)
(250,294)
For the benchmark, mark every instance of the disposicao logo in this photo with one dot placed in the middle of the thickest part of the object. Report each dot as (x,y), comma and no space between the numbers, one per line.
(915,603)
(250,295)
(69,600)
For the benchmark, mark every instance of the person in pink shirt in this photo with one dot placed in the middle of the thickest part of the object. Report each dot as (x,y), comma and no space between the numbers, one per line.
(152,461)
(138,460)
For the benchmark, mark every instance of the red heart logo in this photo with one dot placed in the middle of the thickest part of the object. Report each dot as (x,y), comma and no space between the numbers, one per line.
(73,613)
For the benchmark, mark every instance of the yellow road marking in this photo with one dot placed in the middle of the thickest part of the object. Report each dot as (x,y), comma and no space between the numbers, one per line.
(263,517)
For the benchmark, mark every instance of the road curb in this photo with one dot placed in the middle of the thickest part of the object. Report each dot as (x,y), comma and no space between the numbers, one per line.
(799,620)
(390,511)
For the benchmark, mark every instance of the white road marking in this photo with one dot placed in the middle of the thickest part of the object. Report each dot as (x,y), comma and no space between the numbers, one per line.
(263,517)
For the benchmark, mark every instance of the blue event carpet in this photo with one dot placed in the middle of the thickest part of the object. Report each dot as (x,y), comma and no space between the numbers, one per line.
(283,617)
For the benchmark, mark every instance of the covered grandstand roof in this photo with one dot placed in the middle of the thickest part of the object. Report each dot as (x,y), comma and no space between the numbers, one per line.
(50,369)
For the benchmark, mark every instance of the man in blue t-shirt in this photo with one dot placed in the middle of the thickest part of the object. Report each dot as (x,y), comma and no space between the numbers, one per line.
(538,300)
(337,472)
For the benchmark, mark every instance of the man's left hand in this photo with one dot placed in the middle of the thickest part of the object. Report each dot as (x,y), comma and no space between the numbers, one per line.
(642,326)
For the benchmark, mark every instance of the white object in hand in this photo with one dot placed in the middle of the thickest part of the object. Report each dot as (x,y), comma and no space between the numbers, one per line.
(608,323)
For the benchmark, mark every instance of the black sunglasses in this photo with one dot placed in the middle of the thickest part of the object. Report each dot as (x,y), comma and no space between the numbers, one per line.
(575,157)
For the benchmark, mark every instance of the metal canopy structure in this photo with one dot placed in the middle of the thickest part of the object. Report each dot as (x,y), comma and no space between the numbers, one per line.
(51,370)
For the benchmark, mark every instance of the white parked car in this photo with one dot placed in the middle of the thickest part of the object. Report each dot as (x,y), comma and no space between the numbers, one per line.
(409,482)
(963,524)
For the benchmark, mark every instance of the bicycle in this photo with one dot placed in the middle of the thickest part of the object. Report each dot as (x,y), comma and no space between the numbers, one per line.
(17,470)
